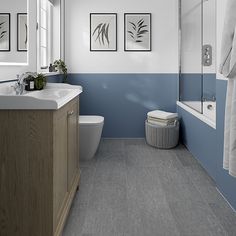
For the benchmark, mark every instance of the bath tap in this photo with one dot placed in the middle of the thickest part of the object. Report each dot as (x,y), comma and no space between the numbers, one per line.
(20,83)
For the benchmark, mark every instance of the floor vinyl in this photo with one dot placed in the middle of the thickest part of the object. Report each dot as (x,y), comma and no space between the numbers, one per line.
(132,189)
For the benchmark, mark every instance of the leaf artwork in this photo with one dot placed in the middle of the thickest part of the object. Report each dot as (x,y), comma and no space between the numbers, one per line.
(3,33)
(101,33)
(138,30)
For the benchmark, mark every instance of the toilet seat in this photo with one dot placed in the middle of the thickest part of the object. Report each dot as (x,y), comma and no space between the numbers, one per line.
(91,119)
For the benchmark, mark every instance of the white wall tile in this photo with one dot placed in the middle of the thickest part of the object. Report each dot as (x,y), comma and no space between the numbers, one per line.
(162,59)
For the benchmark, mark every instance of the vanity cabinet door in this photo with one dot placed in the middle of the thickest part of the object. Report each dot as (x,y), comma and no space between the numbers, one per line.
(72,129)
(59,164)
(65,162)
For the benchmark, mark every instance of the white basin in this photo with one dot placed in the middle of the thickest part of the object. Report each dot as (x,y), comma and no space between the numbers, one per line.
(7,89)
(52,97)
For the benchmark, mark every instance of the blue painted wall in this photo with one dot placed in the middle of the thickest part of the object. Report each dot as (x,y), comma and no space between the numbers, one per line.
(194,86)
(190,87)
(209,86)
(125,99)
(200,140)
(206,144)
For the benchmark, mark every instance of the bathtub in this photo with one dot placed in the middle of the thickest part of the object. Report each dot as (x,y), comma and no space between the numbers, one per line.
(208,115)
(209,110)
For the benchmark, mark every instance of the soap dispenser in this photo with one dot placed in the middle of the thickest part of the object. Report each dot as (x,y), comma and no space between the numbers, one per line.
(29,83)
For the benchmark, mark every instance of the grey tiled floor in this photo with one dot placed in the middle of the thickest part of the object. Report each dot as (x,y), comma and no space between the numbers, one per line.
(131,189)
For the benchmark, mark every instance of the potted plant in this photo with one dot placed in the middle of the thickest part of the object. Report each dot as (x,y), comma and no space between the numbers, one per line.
(40,81)
(61,67)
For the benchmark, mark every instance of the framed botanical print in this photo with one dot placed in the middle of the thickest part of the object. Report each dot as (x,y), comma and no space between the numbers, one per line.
(137,31)
(22,32)
(103,32)
(5,32)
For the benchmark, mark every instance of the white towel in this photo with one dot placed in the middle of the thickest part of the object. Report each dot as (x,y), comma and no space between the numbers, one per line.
(228,69)
(162,122)
(162,114)
(230,129)
(228,44)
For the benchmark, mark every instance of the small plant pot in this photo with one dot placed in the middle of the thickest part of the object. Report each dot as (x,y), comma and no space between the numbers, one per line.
(60,66)
(40,82)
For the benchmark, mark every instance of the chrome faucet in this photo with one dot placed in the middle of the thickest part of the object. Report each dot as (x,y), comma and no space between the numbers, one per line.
(20,83)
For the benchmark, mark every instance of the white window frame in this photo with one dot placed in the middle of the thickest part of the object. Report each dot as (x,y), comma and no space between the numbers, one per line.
(40,67)
(55,51)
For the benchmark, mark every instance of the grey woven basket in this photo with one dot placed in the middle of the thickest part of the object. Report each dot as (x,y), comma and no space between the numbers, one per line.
(164,137)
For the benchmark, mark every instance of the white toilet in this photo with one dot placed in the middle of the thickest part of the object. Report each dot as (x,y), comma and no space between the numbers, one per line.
(90,131)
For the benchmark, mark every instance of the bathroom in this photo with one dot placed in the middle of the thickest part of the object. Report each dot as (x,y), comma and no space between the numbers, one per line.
(128,187)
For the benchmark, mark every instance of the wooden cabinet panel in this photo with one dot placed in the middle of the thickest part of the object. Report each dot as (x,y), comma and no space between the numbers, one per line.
(25,173)
(72,143)
(38,170)
(60,164)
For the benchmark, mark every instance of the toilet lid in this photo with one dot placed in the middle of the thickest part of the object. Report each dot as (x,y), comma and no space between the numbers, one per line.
(90,119)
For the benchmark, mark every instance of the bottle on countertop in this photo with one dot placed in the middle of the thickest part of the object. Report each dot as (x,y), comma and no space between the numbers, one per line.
(29,81)
(51,68)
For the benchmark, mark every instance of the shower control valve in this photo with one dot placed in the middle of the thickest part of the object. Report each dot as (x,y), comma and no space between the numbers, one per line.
(207,55)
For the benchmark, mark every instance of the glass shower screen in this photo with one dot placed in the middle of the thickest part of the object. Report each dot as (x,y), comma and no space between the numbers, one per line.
(191,41)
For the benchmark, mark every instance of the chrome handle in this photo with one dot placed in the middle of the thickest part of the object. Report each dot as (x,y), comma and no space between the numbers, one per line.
(70,113)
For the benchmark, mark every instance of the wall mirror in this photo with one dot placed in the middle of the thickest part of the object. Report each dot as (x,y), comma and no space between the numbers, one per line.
(14,32)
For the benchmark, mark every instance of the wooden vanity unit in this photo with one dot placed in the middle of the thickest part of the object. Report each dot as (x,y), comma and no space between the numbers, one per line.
(39,169)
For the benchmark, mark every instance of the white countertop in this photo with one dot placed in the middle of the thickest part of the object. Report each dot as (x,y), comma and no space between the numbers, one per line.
(52,97)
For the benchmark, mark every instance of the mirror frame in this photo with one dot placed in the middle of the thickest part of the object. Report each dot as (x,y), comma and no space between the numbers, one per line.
(10,70)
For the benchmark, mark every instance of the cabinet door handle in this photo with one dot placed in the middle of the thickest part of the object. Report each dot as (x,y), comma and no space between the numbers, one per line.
(70,113)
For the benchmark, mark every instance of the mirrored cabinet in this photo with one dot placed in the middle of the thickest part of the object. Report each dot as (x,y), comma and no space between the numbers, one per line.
(31,36)
(14,33)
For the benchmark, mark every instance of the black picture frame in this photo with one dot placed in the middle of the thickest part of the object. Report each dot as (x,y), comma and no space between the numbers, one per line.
(22,32)
(138,32)
(5,32)
(103,32)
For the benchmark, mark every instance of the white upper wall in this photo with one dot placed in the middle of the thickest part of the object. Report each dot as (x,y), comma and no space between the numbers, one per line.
(162,59)
(198,21)
(209,31)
